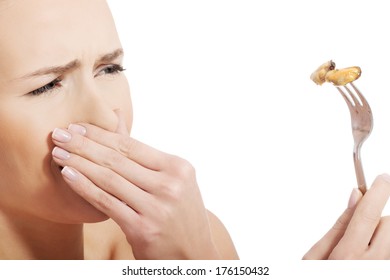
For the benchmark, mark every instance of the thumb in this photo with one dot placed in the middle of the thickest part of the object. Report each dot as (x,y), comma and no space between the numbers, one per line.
(354,198)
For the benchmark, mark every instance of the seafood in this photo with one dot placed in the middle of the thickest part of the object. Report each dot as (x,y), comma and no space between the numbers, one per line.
(327,72)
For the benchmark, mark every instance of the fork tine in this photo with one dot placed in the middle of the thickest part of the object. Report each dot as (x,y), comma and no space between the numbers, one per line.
(362,99)
(347,100)
(353,96)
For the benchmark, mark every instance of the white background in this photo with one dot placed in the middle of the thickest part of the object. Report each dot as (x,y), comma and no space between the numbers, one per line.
(225,84)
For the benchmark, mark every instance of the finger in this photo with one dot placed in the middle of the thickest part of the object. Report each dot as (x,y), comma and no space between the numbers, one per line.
(100,199)
(380,243)
(367,216)
(106,157)
(139,152)
(105,179)
(323,248)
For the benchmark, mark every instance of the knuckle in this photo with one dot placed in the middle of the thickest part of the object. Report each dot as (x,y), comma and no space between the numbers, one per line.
(182,168)
(126,145)
(108,180)
(113,159)
(172,188)
(148,233)
(80,144)
(151,233)
(103,201)
(369,215)
(179,174)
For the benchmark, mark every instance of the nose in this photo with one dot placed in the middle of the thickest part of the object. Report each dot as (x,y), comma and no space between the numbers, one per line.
(98,108)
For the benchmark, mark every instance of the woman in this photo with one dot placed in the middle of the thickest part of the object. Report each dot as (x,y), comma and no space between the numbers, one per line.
(66,158)
(73,184)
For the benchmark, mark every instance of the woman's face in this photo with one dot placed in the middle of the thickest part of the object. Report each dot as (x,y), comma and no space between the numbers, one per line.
(59,64)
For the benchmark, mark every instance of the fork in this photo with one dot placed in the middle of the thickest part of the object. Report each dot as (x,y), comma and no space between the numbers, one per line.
(362,124)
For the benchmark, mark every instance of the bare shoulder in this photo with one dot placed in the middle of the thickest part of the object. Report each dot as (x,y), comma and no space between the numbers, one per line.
(222,238)
(105,240)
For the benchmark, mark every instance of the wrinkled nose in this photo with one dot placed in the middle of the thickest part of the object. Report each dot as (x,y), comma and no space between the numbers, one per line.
(101,113)
(98,108)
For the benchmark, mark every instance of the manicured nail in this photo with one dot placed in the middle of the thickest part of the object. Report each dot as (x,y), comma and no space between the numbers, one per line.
(61,135)
(69,173)
(354,198)
(79,129)
(60,153)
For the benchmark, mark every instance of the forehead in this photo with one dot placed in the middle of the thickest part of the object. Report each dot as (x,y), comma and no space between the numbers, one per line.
(44,32)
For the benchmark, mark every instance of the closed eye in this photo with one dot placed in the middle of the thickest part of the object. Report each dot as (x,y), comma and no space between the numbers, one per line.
(56,83)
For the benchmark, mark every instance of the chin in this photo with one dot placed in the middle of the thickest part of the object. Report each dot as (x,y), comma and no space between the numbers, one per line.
(56,201)
(77,210)
(90,219)
(79,214)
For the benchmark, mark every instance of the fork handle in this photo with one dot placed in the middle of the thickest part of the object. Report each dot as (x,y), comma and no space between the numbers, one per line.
(361,181)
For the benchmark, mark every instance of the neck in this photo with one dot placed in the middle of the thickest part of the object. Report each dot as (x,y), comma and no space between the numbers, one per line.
(24,237)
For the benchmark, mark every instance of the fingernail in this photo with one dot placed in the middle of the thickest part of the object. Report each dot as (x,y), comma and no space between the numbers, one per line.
(60,153)
(354,198)
(79,129)
(69,173)
(61,135)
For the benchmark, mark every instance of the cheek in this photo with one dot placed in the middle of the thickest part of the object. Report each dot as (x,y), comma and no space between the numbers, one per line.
(30,182)
(25,142)
(25,163)
(26,149)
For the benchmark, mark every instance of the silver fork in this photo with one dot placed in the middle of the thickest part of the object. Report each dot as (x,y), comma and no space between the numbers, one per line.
(362,124)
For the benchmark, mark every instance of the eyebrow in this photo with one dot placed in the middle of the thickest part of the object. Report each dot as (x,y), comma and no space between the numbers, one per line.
(109,57)
(59,70)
